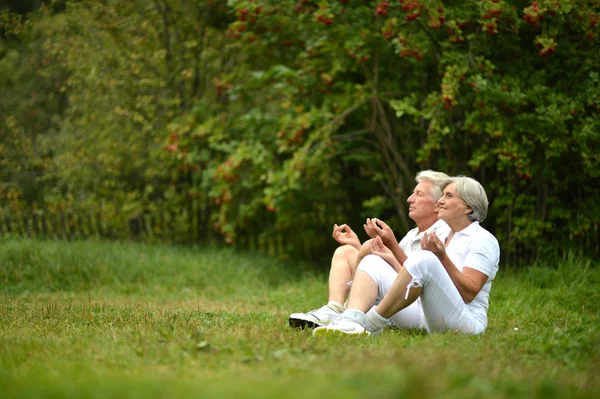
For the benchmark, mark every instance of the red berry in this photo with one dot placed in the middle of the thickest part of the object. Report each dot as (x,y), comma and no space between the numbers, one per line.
(413,16)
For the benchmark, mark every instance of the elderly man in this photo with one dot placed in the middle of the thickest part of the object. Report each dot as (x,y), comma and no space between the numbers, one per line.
(422,210)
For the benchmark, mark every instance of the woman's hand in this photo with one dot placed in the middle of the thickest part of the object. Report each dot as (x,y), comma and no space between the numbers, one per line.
(431,242)
(378,228)
(378,248)
(369,228)
(345,236)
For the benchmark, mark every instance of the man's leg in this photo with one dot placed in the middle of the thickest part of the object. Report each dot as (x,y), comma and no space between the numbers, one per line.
(343,267)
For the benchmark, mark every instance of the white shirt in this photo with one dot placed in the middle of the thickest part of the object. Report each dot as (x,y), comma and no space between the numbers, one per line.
(411,242)
(477,248)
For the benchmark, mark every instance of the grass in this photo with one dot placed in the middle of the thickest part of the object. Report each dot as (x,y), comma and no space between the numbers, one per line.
(98,319)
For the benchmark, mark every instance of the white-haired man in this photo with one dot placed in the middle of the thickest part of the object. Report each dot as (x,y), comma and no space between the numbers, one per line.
(422,210)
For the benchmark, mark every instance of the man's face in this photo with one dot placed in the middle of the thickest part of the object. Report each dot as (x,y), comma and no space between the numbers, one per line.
(421,204)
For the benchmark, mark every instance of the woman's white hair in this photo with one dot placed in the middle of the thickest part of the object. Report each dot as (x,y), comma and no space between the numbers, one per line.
(473,194)
(436,178)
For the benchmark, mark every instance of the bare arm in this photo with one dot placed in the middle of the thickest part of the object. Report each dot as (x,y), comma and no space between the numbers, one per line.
(399,254)
(376,247)
(469,282)
(365,250)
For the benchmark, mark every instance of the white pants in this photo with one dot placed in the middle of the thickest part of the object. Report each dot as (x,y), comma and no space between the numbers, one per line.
(440,306)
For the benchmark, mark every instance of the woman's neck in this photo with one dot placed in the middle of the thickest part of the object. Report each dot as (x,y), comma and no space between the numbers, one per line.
(459,224)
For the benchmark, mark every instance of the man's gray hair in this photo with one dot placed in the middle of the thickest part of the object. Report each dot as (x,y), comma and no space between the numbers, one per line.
(473,194)
(437,178)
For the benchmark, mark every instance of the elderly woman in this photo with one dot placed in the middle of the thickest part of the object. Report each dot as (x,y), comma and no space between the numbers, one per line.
(452,279)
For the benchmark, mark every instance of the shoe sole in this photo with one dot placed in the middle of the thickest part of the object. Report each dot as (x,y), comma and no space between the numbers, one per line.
(303,324)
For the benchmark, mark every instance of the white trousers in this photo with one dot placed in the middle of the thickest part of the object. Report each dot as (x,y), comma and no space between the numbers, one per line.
(439,307)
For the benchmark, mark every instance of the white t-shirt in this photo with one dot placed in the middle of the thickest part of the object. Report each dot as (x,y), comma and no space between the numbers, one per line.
(477,248)
(411,242)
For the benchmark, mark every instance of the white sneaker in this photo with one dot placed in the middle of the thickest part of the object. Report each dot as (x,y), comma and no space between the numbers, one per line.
(342,326)
(315,318)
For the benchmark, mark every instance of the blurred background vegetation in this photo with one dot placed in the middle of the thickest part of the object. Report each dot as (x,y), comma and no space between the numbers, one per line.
(259,124)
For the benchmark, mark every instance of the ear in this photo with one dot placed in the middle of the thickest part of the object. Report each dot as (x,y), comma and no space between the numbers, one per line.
(468,210)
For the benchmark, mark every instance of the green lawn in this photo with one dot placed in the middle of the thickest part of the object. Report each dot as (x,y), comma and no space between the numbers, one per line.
(99,319)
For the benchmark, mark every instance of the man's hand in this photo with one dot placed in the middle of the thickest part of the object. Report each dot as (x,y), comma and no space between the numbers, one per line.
(431,242)
(345,236)
(378,248)
(378,228)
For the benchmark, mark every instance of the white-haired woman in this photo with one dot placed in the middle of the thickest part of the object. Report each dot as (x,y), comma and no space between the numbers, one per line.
(453,279)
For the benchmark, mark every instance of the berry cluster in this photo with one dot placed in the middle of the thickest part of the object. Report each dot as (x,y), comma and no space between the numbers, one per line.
(300,5)
(359,55)
(533,15)
(382,8)
(325,20)
(406,50)
(413,8)
(388,31)
(173,142)
(451,82)
(547,46)
(245,15)
(226,171)
(324,15)
(388,34)
(490,15)
(437,18)
(594,21)
(455,32)
(411,53)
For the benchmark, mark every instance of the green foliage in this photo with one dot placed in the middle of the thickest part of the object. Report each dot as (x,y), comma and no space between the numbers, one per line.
(142,320)
(133,71)
(269,121)
(31,102)
(127,77)
(505,91)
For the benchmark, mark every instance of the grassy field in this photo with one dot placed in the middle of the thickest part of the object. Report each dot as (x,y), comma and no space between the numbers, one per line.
(97,319)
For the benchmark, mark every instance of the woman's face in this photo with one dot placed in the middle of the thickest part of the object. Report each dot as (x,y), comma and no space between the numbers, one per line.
(451,206)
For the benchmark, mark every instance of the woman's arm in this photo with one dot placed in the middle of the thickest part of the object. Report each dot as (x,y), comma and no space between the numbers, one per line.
(469,282)
(373,229)
(376,247)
